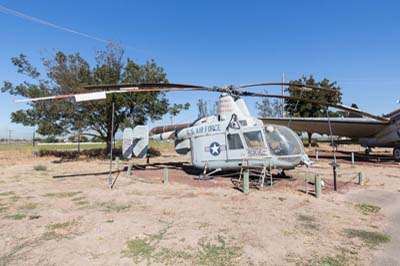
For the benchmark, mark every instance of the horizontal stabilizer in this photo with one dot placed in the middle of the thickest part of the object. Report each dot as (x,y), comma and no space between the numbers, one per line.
(140,141)
(127,147)
(135,142)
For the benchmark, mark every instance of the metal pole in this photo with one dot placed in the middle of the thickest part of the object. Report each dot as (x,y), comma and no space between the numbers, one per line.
(111,145)
(283,94)
(79,141)
(33,144)
(334,177)
(334,163)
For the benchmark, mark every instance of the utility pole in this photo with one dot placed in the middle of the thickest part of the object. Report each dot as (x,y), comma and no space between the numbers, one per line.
(283,94)
(9,136)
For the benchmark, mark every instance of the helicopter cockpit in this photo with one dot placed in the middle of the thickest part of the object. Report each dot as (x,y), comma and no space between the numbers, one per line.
(282,141)
(276,146)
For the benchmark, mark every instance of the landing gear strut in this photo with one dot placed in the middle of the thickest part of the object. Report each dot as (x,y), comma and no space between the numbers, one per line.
(396,153)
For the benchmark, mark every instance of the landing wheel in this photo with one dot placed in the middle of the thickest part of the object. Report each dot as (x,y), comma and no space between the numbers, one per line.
(396,153)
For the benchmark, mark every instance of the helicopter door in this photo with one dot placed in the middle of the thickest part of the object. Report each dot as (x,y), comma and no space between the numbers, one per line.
(209,148)
(235,147)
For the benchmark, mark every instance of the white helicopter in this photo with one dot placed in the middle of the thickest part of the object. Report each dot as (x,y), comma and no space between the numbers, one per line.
(227,141)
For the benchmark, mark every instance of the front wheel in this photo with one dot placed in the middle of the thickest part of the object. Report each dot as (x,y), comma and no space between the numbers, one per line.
(396,153)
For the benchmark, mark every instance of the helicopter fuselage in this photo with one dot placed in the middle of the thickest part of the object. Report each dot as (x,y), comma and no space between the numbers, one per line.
(233,139)
(231,144)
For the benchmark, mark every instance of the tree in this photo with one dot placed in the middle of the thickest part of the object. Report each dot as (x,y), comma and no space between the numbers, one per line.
(304,109)
(206,108)
(267,109)
(65,74)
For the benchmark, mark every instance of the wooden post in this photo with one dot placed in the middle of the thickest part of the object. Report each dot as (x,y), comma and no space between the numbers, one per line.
(246,188)
(317,186)
(361,178)
(352,158)
(129,172)
(316,154)
(165,180)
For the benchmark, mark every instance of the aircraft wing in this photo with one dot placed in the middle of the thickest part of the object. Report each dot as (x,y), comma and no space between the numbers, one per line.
(346,127)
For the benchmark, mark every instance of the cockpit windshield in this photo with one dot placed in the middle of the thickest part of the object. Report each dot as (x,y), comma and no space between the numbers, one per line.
(282,141)
(254,139)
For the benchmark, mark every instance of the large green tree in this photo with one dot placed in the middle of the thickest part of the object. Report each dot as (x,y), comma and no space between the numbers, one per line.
(66,73)
(303,109)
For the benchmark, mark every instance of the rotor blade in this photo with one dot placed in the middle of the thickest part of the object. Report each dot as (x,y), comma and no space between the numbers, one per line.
(337,106)
(143,86)
(301,86)
(45,98)
(79,97)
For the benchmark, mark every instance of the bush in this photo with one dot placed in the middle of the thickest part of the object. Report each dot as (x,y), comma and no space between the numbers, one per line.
(59,154)
(153,152)
(90,153)
(40,167)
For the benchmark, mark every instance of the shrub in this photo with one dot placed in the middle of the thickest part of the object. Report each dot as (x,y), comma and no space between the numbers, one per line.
(40,167)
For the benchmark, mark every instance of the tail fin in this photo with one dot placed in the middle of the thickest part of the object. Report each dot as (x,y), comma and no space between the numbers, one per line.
(135,142)
(395,114)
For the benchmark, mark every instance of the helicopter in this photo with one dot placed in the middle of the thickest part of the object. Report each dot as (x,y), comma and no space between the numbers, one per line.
(229,140)
(226,141)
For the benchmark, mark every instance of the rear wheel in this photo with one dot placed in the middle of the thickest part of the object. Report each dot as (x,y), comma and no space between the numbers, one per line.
(396,153)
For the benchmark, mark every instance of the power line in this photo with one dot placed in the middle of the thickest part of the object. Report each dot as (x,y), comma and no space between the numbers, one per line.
(16,13)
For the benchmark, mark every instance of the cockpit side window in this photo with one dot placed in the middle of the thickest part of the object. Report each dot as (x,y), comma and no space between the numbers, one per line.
(234,142)
(254,139)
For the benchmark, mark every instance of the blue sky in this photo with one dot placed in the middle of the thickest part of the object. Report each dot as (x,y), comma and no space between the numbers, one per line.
(355,43)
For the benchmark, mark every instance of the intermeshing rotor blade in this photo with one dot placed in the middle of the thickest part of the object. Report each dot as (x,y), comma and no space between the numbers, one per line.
(153,86)
(122,88)
(79,97)
(233,90)
(337,105)
(304,87)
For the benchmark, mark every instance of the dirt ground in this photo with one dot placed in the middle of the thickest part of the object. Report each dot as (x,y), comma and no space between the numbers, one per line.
(55,213)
